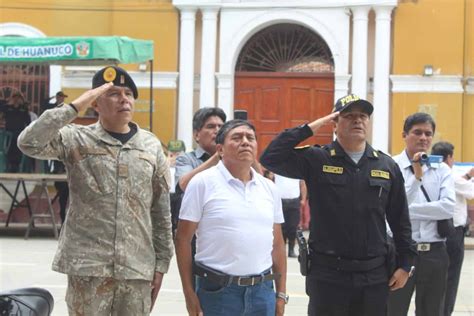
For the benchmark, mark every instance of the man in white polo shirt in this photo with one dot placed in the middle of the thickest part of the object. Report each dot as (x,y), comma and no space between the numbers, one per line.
(236,214)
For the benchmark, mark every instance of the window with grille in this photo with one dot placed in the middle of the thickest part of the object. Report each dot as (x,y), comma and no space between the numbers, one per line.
(286,48)
(31,80)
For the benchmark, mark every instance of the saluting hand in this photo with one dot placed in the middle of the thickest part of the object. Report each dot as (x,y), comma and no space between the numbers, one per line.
(85,100)
(320,122)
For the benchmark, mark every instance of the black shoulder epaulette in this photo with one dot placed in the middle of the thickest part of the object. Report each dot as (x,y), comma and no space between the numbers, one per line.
(302,147)
(381,153)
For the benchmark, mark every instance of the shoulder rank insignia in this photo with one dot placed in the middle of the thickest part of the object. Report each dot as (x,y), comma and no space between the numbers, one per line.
(380,174)
(375,153)
(302,147)
(332,152)
(333,169)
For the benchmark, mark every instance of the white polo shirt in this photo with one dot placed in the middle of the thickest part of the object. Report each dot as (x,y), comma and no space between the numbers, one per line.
(235,230)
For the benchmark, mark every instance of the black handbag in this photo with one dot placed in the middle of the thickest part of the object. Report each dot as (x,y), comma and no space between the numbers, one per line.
(445,226)
(27,301)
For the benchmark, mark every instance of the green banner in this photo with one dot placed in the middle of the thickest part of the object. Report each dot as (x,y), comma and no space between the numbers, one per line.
(75,50)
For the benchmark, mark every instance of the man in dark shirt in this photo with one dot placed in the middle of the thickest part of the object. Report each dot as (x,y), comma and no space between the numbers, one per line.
(353,189)
(16,119)
(59,99)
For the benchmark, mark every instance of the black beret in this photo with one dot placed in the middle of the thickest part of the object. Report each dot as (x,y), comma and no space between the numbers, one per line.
(117,75)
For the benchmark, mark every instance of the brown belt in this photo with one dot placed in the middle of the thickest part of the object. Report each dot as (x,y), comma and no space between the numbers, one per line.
(225,279)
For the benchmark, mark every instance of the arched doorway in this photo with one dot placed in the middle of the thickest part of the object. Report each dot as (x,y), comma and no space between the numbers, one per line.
(284,77)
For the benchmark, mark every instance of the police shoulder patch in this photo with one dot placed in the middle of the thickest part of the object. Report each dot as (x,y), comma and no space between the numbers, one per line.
(380,174)
(333,169)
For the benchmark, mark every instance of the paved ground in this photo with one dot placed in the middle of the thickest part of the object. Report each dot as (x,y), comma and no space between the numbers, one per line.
(25,263)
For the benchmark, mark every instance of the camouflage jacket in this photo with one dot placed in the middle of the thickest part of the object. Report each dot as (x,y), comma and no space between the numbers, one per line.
(118,223)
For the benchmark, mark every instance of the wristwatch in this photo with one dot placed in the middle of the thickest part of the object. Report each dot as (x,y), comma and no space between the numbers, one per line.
(283,296)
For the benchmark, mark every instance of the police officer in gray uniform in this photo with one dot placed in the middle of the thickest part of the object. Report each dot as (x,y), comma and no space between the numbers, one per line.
(116,242)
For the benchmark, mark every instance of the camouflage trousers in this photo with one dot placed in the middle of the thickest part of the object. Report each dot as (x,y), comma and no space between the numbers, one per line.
(96,296)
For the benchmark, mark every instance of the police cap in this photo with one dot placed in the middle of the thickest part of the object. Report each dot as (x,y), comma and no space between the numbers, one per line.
(117,75)
(350,100)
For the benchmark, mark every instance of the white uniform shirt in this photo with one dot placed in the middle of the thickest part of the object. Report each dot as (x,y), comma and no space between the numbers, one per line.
(439,185)
(288,188)
(172,180)
(464,190)
(235,230)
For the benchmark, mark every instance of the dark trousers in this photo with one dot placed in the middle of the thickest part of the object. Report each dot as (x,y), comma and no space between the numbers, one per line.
(14,154)
(455,248)
(175,205)
(431,269)
(328,299)
(291,213)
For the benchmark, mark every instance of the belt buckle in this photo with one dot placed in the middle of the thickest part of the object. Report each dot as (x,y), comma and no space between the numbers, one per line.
(423,247)
(243,278)
(238,281)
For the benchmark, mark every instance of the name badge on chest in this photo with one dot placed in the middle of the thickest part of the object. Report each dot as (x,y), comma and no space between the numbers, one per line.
(123,170)
(333,169)
(380,174)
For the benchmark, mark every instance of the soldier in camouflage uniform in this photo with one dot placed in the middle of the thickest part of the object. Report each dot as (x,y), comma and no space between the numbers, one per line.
(116,243)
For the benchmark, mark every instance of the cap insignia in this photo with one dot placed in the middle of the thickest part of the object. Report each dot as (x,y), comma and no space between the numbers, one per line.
(109,74)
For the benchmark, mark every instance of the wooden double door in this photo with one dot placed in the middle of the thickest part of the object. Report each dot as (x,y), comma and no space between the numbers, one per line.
(275,101)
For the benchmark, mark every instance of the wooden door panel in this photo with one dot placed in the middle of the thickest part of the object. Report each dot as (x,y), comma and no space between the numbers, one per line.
(299,108)
(264,139)
(271,106)
(246,100)
(276,101)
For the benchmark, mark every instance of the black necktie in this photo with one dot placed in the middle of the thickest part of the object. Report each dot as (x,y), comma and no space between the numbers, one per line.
(205,157)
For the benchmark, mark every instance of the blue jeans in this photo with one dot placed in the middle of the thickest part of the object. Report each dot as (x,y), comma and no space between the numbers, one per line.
(232,299)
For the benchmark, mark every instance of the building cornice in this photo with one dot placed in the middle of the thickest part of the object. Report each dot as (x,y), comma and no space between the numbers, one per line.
(417,84)
(81,79)
(297,4)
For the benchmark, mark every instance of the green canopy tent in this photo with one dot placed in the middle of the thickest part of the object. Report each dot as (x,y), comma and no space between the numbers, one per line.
(100,50)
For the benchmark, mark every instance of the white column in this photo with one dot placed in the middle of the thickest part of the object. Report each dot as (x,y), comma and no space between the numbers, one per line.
(208,57)
(359,50)
(341,86)
(186,76)
(381,116)
(55,79)
(226,96)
